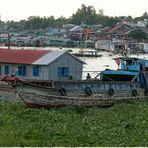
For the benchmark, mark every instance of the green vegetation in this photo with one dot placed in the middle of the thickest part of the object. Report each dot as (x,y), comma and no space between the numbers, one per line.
(138,34)
(124,124)
(86,14)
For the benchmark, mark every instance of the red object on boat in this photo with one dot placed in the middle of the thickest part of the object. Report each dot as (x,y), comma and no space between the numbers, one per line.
(9,78)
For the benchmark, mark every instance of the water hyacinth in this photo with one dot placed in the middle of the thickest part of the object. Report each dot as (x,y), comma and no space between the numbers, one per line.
(124,124)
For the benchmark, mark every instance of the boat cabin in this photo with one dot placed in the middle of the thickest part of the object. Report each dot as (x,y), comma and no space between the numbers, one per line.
(129,69)
(131,64)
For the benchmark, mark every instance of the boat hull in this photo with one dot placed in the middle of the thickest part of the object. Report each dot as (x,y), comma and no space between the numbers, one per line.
(74,94)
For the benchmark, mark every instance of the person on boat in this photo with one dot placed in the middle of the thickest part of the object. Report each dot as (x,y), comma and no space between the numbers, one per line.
(15,73)
(88,76)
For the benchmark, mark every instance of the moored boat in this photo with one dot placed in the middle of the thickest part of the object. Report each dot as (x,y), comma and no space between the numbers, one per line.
(87,53)
(88,93)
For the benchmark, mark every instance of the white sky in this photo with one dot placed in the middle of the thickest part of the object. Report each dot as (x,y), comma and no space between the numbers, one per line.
(22,9)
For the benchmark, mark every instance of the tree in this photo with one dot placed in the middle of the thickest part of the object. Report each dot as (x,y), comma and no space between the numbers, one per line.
(129,18)
(145,14)
(137,34)
(101,12)
(87,15)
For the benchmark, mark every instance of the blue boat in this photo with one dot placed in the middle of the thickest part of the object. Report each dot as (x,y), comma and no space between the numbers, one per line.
(129,69)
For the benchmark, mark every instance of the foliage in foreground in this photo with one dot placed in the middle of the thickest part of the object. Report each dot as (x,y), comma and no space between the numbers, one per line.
(124,124)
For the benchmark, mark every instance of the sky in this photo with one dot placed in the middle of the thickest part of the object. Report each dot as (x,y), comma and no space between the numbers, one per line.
(21,9)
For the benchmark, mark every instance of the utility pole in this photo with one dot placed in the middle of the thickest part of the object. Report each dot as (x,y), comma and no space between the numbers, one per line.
(8,40)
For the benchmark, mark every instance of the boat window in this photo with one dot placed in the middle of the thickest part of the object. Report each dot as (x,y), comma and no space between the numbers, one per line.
(146,68)
(136,63)
(129,62)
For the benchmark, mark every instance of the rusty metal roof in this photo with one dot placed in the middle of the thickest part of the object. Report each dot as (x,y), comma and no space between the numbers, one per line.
(21,56)
(36,57)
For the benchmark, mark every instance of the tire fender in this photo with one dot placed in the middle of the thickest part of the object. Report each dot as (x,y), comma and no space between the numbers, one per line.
(88,91)
(62,91)
(134,93)
(111,91)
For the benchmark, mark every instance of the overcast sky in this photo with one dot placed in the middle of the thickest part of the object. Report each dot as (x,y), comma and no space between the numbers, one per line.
(22,9)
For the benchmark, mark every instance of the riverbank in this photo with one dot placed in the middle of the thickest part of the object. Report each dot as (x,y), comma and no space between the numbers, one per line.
(124,124)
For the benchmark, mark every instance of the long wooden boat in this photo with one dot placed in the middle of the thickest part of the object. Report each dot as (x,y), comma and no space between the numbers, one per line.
(87,93)
(89,53)
(47,97)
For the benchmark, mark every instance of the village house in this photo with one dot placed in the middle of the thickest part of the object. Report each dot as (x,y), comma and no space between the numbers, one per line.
(40,64)
(115,38)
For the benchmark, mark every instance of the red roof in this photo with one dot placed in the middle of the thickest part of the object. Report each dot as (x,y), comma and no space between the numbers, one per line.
(21,56)
(115,27)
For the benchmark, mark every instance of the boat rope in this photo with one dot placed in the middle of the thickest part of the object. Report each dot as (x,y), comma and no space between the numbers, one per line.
(108,78)
(134,78)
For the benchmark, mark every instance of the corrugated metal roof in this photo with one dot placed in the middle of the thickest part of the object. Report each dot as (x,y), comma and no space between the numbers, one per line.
(52,56)
(36,57)
(76,28)
(21,56)
(49,58)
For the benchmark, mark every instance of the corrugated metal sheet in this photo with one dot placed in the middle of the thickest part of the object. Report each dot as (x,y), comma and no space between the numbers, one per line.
(52,56)
(36,57)
(21,56)
(49,58)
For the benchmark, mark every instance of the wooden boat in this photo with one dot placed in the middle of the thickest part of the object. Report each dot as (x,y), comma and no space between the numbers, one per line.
(87,93)
(87,53)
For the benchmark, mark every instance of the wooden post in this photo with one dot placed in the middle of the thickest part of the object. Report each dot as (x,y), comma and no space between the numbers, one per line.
(8,41)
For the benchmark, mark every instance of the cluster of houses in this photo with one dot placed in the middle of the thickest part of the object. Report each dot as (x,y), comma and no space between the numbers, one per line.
(70,35)
(117,38)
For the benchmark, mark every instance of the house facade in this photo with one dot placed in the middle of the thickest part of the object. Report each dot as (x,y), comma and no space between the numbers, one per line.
(40,64)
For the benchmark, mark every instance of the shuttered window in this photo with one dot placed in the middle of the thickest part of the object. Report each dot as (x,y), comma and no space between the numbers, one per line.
(21,70)
(59,72)
(36,71)
(6,69)
(63,72)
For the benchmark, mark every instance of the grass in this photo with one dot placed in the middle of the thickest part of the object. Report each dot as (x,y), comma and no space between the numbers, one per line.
(124,124)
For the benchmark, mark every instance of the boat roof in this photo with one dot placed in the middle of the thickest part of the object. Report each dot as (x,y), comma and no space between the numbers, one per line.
(129,58)
(114,72)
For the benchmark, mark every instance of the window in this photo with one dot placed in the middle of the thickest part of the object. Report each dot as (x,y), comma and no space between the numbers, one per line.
(6,69)
(63,72)
(21,70)
(36,71)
